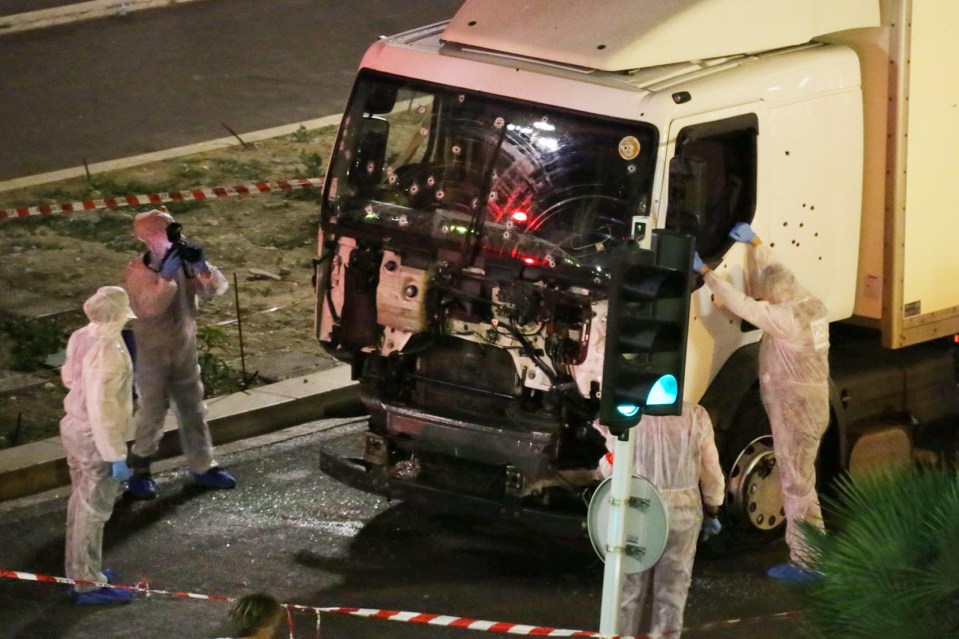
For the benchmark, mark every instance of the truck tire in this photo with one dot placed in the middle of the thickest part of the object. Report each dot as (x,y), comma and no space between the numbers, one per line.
(753,509)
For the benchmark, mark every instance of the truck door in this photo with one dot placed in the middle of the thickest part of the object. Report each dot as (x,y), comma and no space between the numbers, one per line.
(710,185)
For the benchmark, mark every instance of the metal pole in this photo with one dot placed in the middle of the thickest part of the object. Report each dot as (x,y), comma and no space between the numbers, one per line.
(239,327)
(620,486)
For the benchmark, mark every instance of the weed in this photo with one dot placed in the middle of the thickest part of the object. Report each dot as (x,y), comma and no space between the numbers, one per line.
(303,134)
(218,377)
(312,165)
(190,171)
(33,341)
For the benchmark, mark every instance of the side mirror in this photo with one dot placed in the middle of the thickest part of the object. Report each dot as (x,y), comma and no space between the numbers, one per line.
(687,195)
(381,99)
(367,166)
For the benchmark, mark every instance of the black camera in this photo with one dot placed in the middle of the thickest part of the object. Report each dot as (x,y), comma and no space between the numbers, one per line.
(188,252)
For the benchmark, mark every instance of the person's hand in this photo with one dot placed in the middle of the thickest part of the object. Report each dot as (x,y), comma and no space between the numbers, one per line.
(711,526)
(120,470)
(742,232)
(698,265)
(199,267)
(192,254)
(171,264)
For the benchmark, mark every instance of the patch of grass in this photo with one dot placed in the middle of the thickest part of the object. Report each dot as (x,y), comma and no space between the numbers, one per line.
(179,208)
(106,227)
(232,169)
(297,235)
(102,186)
(218,377)
(312,165)
(304,135)
(191,171)
(305,195)
(33,341)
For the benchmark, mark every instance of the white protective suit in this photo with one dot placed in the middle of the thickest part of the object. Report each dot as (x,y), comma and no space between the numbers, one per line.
(678,455)
(98,421)
(166,354)
(793,378)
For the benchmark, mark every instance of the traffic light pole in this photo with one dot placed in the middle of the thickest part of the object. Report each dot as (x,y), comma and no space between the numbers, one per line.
(616,538)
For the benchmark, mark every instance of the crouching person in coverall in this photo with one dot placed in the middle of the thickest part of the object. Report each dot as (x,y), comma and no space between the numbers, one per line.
(98,374)
(793,381)
(163,286)
(678,455)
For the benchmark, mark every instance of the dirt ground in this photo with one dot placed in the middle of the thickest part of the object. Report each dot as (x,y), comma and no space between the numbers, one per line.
(50,265)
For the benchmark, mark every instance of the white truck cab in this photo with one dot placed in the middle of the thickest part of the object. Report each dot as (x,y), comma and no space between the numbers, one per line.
(489,168)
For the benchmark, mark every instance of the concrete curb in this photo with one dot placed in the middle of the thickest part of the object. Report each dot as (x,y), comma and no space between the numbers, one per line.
(76,12)
(41,466)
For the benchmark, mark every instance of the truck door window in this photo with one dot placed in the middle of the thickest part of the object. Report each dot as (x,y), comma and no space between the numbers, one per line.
(712,181)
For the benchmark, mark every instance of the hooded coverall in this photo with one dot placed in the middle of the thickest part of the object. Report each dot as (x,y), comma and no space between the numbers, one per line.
(678,455)
(165,334)
(793,379)
(99,419)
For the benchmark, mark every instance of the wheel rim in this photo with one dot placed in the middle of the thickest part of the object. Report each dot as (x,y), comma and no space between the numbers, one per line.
(754,488)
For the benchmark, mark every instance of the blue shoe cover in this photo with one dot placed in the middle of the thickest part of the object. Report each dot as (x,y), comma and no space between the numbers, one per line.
(216,477)
(792,573)
(141,487)
(109,575)
(102,596)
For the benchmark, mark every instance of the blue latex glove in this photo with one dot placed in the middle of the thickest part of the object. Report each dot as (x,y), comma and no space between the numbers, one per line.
(171,265)
(742,232)
(698,265)
(120,470)
(199,267)
(711,526)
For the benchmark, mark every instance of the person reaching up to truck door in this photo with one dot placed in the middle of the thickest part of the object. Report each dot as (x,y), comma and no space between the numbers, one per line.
(163,286)
(793,381)
(677,453)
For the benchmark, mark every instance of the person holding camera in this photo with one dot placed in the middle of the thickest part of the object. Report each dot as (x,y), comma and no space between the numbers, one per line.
(163,286)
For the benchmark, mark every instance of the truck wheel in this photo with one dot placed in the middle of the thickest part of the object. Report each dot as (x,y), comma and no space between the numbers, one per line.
(753,509)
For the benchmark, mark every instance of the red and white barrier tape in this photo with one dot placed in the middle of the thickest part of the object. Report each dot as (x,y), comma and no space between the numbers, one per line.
(202,193)
(446,621)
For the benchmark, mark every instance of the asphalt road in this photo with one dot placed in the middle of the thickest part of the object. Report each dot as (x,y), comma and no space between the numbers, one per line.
(152,80)
(290,530)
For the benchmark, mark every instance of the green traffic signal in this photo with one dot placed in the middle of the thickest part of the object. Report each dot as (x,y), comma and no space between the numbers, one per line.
(645,352)
(628,410)
(665,391)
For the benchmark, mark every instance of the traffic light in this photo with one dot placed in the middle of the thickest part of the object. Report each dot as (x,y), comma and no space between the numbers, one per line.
(646,328)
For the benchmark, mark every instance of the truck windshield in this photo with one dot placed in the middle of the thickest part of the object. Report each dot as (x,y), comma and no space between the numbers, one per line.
(447,167)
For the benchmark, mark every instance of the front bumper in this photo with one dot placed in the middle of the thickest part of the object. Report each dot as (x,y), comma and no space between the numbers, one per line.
(354,472)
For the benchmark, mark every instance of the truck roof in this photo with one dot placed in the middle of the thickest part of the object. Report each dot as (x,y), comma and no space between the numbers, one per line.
(623,35)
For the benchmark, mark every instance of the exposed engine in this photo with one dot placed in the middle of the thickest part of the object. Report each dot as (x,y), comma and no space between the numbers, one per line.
(500,346)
